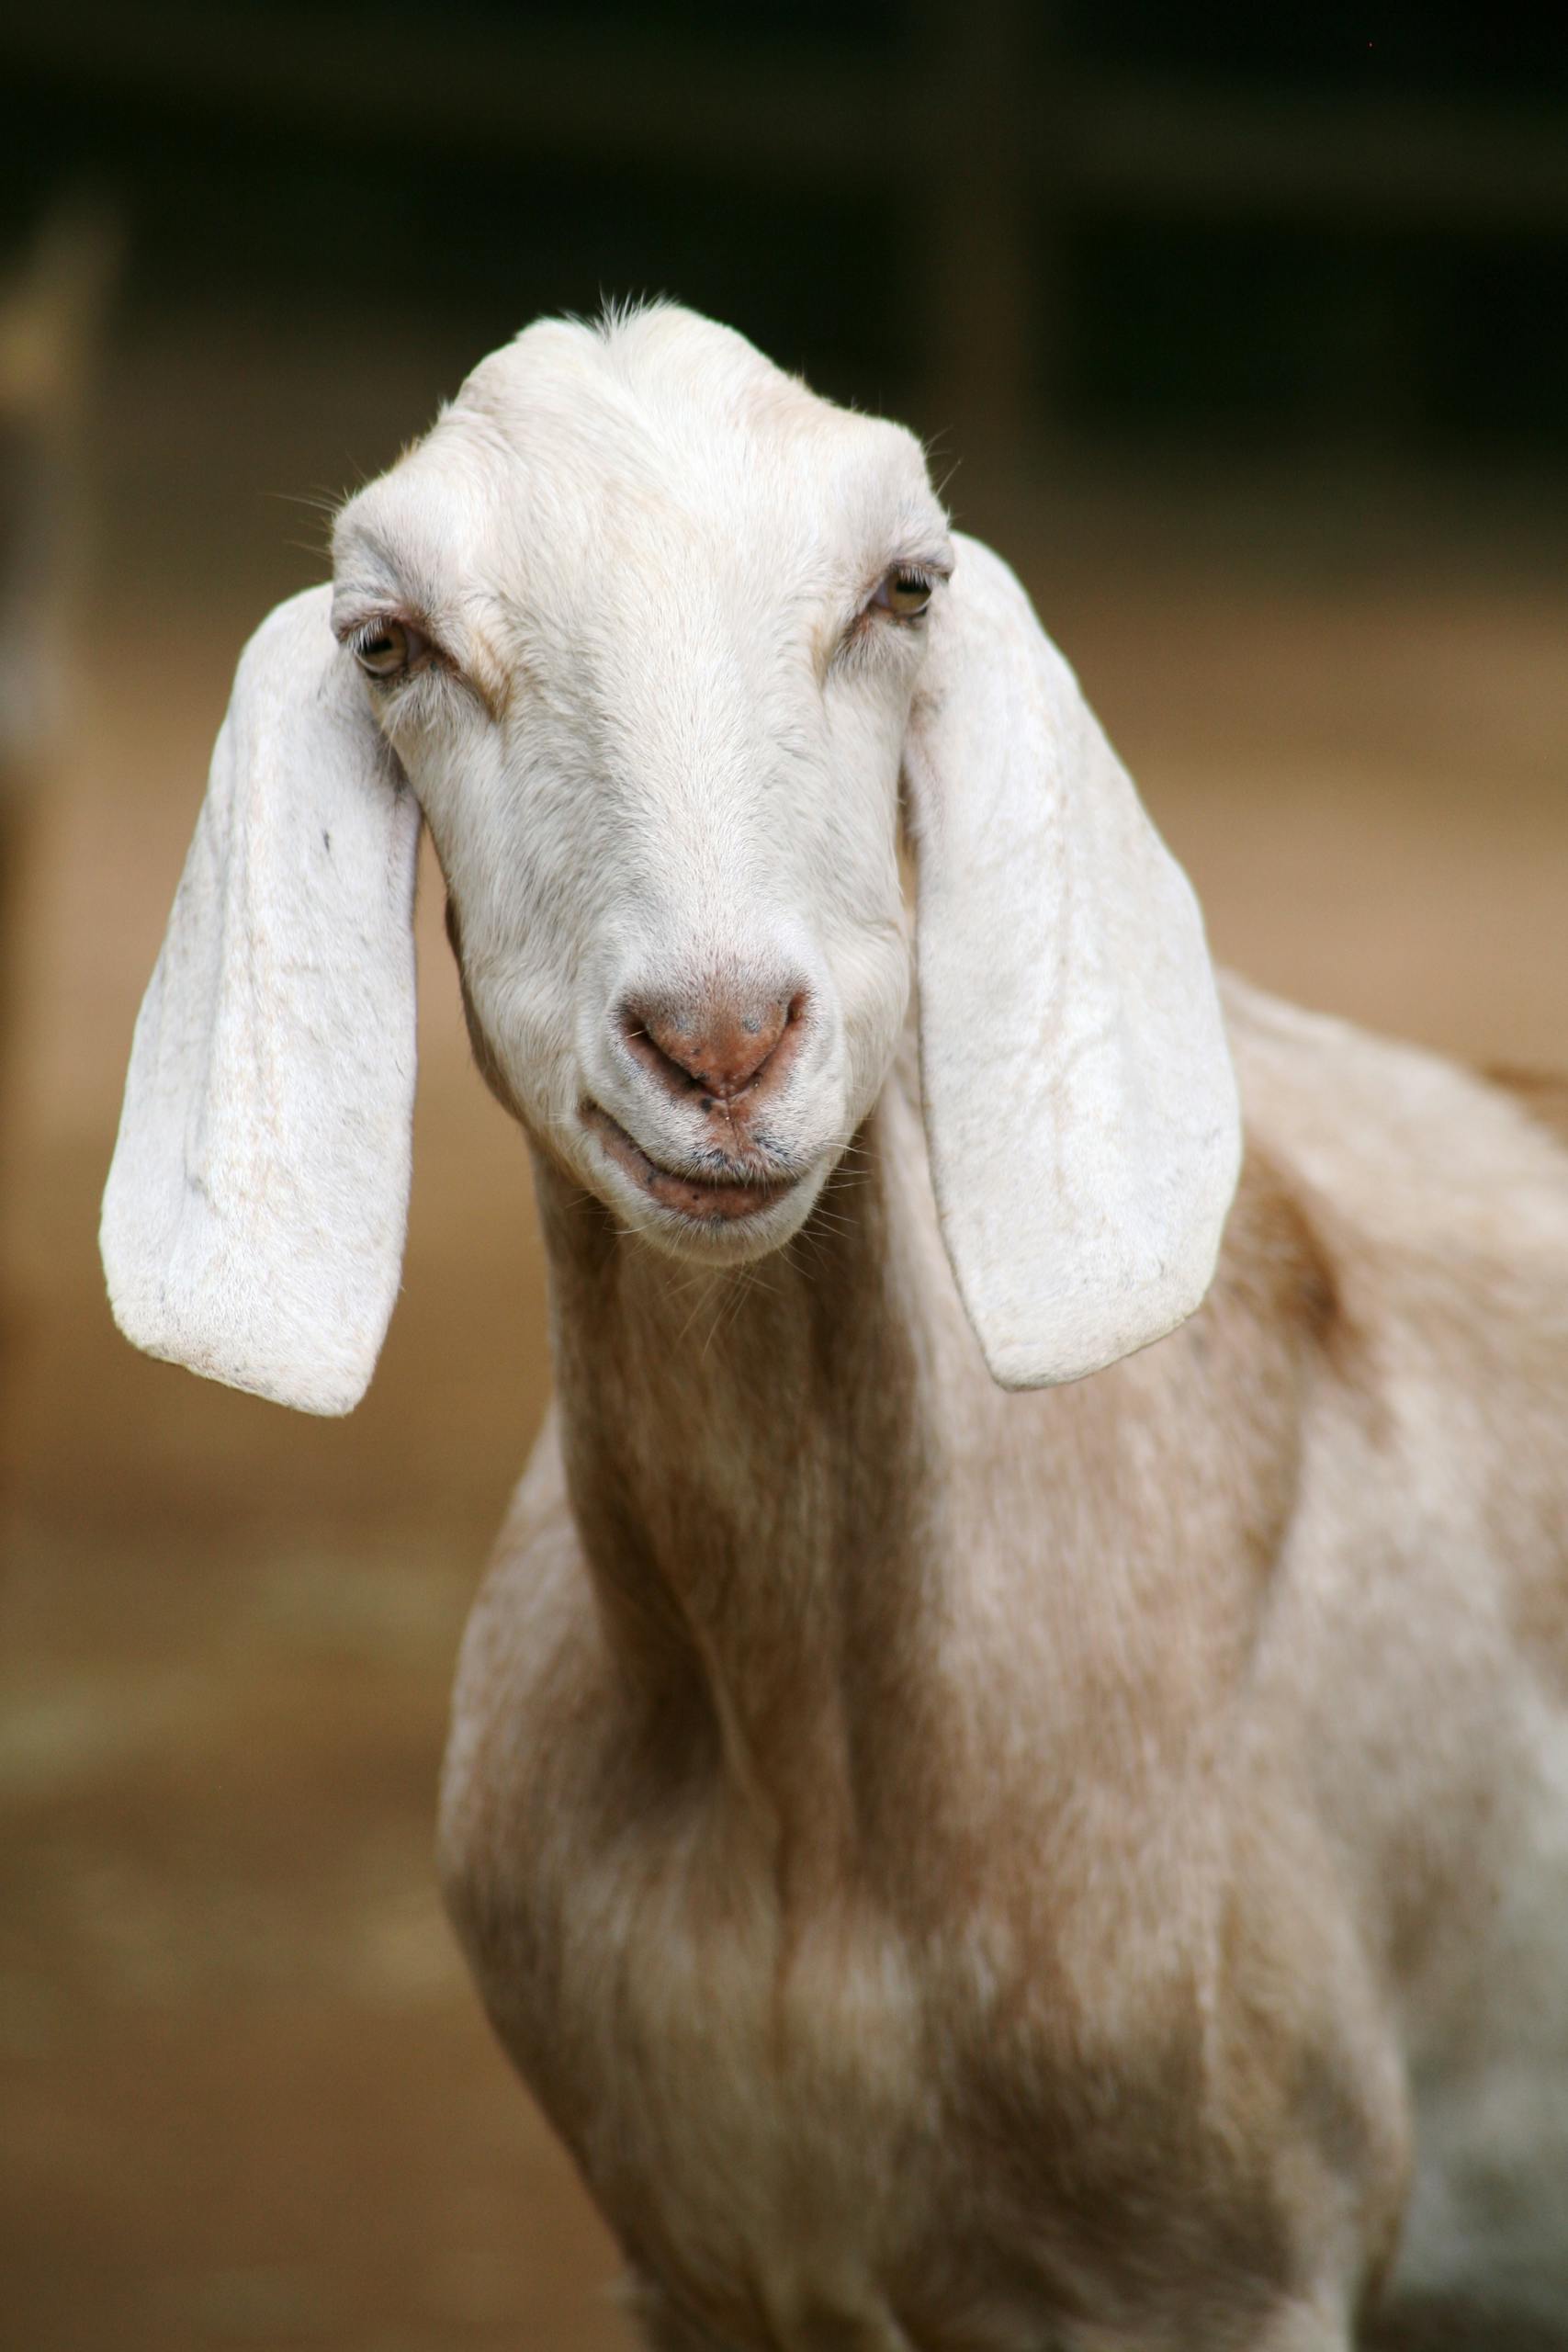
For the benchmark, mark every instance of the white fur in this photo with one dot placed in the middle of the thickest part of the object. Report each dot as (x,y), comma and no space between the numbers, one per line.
(253,1219)
(1080,1105)
(664,744)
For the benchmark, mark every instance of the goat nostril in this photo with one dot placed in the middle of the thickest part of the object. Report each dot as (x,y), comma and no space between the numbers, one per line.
(715,1046)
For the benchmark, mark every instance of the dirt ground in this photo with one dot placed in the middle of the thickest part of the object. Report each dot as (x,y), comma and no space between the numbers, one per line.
(248,2098)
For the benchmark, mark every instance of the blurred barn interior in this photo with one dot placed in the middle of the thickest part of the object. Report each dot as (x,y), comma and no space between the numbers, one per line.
(1243,333)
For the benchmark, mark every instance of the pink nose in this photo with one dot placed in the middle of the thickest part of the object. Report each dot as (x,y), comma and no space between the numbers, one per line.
(719,1043)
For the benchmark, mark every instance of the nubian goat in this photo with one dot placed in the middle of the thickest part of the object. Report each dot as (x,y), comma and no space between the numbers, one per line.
(965,1870)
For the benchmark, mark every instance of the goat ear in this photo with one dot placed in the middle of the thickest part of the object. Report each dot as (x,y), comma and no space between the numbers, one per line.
(1081,1106)
(253,1224)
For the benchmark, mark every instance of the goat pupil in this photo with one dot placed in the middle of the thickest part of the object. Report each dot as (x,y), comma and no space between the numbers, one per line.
(384,652)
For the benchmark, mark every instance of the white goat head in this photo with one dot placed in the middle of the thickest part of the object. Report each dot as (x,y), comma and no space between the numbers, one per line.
(650,635)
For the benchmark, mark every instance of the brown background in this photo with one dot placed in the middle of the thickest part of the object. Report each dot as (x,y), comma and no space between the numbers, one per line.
(248,2098)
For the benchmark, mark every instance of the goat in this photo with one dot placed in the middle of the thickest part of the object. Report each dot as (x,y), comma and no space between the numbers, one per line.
(1009,1782)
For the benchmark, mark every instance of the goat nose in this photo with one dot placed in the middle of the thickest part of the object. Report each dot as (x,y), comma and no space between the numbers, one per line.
(719,1042)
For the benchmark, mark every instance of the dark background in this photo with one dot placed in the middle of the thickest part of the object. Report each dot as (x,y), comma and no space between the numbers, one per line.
(1238,225)
(1242,332)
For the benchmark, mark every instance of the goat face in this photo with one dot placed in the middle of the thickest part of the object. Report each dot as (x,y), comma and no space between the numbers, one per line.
(643,620)
(644,625)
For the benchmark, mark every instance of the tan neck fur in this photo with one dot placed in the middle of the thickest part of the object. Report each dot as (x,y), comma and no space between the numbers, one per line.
(744,1453)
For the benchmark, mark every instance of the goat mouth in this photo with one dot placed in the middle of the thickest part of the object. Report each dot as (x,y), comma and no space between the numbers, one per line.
(728,1198)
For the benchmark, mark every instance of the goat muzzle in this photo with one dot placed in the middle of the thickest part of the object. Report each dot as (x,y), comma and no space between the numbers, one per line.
(726,1047)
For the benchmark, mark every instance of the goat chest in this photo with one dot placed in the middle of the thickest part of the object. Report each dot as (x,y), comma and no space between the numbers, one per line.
(828,2098)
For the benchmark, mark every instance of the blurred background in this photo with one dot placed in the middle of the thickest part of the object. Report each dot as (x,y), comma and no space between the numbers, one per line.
(1242,332)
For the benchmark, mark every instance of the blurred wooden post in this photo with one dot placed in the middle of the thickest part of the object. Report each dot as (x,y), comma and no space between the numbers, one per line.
(985,131)
(50,317)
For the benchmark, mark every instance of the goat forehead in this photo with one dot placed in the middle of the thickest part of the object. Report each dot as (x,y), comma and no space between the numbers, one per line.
(576,496)
(661,376)
(668,444)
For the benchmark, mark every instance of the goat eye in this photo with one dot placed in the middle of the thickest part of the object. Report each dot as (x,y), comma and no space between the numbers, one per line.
(905,593)
(391,648)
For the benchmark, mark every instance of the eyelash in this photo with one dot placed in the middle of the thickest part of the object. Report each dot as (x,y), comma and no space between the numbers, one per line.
(420,649)
(911,579)
(860,634)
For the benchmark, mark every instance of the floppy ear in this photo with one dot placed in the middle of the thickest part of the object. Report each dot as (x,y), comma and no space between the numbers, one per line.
(253,1224)
(1080,1107)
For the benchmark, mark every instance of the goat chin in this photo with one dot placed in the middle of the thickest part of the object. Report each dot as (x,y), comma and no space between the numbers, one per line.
(960,1868)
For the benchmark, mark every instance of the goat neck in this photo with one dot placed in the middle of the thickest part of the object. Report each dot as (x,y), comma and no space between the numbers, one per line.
(745,1458)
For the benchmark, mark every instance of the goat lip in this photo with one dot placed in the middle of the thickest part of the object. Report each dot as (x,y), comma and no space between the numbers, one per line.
(703,1200)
